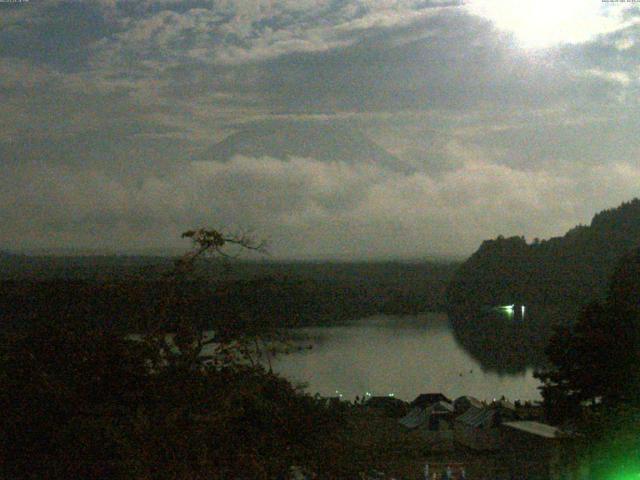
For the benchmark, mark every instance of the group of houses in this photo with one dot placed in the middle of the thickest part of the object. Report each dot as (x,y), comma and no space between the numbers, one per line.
(501,427)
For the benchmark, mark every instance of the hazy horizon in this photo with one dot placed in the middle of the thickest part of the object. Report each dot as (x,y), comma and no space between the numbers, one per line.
(251,258)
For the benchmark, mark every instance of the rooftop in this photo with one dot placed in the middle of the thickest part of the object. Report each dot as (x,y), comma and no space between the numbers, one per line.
(535,428)
(477,417)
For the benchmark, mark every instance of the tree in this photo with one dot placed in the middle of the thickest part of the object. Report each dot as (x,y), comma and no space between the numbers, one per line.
(235,335)
(595,379)
(80,400)
(188,337)
(595,360)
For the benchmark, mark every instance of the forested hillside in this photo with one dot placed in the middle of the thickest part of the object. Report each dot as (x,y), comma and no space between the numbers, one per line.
(125,292)
(568,270)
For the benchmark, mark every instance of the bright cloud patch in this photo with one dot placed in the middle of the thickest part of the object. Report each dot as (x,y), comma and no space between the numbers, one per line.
(546,23)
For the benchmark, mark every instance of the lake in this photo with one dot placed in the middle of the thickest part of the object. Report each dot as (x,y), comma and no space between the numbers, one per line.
(400,355)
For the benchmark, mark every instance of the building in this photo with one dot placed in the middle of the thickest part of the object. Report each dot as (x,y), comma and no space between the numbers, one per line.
(432,426)
(425,400)
(414,419)
(436,417)
(464,403)
(479,428)
(534,450)
(440,416)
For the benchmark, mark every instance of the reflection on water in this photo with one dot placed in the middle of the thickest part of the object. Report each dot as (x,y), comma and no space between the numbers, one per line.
(400,355)
(505,340)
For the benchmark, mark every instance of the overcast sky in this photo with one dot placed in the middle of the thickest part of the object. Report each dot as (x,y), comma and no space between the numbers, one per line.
(505,117)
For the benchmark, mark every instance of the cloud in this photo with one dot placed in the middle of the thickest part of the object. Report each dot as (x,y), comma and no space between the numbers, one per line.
(105,105)
(548,23)
(307,208)
(235,33)
(59,33)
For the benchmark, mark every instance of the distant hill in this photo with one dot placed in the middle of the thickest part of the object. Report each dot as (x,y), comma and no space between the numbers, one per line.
(321,141)
(22,267)
(569,270)
(125,290)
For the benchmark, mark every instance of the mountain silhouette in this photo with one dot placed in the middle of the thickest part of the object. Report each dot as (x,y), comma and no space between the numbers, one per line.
(320,141)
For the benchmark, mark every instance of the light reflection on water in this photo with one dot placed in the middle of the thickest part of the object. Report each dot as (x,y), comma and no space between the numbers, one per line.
(405,356)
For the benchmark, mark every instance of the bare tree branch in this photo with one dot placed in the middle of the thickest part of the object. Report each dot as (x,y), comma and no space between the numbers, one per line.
(214,241)
(188,340)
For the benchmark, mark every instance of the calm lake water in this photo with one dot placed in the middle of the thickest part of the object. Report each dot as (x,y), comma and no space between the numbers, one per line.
(405,356)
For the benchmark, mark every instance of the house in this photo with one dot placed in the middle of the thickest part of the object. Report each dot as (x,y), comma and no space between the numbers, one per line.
(534,450)
(415,418)
(432,425)
(440,416)
(534,434)
(478,428)
(464,403)
(425,400)
(436,417)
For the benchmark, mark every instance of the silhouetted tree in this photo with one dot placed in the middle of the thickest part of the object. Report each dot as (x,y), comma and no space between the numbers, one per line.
(596,359)
(79,400)
(595,379)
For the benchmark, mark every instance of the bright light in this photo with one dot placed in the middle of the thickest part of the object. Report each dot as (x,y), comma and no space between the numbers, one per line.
(507,308)
(546,23)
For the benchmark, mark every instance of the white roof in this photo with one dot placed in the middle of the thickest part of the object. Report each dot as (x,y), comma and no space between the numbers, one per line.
(535,428)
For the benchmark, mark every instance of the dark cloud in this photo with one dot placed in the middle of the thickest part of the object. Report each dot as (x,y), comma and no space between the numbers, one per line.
(59,33)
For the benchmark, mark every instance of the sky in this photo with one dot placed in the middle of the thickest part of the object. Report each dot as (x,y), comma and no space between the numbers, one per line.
(498,118)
